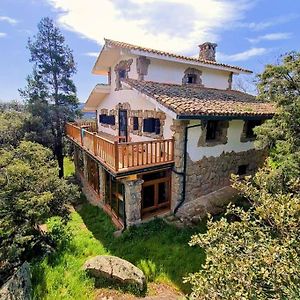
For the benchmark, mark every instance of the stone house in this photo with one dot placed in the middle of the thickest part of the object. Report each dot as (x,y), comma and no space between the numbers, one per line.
(169,129)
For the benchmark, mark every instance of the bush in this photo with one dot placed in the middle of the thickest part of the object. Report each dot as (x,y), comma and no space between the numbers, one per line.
(30,193)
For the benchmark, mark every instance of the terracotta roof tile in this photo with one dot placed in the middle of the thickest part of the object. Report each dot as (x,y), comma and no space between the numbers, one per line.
(164,53)
(199,101)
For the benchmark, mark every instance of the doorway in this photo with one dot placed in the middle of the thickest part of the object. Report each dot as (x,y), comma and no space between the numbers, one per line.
(114,197)
(156,193)
(123,123)
(93,174)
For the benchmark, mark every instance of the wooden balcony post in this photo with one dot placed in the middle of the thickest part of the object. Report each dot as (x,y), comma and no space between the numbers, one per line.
(116,155)
(173,148)
(81,134)
(95,143)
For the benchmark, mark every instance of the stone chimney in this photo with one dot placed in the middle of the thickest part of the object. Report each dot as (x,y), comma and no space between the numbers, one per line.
(208,51)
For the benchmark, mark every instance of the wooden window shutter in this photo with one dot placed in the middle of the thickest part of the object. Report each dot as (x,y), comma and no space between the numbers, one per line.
(157,126)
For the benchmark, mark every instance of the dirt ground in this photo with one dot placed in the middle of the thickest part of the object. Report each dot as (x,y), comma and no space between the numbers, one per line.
(155,292)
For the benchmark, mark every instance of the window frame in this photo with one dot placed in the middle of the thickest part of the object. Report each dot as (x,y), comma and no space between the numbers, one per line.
(208,137)
(154,127)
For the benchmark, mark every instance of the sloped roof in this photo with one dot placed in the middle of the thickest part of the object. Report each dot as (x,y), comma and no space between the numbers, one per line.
(168,54)
(186,100)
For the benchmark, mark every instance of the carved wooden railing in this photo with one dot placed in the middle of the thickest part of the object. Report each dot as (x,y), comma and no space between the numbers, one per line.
(120,157)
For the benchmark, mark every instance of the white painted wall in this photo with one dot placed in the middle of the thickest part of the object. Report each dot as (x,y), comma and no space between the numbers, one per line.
(136,102)
(234,132)
(172,72)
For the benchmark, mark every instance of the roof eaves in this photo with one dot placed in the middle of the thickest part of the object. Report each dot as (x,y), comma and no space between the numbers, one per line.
(176,56)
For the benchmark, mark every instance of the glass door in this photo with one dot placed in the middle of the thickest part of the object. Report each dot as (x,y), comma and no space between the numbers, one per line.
(115,196)
(156,192)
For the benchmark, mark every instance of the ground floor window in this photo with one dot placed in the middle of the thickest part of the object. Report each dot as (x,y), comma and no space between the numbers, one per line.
(156,192)
(115,196)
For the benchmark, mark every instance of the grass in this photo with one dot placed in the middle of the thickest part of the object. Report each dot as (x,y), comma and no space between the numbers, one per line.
(69,168)
(160,250)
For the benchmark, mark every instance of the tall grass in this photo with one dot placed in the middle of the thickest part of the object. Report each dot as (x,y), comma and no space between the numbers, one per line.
(160,250)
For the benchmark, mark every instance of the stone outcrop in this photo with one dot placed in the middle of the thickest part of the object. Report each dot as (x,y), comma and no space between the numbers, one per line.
(18,287)
(115,269)
(213,203)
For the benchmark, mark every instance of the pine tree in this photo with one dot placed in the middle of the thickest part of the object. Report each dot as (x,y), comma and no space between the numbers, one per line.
(50,93)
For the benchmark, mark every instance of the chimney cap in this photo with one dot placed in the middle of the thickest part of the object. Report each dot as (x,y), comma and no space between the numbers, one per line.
(208,51)
(214,45)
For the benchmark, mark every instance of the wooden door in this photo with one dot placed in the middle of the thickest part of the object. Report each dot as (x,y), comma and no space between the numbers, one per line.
(123,123)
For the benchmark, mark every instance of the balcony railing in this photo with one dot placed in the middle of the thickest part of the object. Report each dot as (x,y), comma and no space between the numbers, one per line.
(122,157)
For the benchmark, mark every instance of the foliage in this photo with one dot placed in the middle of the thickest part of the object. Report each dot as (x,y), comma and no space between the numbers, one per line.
(12,105)
(281,84)
(12,127)
(254,254)
(30,193)
(60,233)
(60,276)
(50,93)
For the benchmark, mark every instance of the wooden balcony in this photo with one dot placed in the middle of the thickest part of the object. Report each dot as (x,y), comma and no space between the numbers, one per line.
(121,157)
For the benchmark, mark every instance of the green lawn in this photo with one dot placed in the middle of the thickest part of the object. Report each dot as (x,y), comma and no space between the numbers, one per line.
(161,250)
(69,168)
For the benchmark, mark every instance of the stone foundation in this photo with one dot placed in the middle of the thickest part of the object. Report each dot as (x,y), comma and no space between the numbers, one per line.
(212,173)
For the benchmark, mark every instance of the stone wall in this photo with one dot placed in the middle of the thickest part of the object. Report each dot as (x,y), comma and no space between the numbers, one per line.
(133,201)
(212,173)
(178,128)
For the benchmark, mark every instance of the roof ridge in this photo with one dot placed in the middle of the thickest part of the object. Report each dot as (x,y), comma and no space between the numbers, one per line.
(175,55)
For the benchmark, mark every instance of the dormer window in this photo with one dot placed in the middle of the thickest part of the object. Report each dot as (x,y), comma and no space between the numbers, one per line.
(191,78)
(121,70)
(122,74)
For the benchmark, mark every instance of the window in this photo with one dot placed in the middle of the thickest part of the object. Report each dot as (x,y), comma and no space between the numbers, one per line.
(249,128)
(151,125)
(242,169)
(135,123)
(105,119)
(211,130)
(122,74)
(191,78)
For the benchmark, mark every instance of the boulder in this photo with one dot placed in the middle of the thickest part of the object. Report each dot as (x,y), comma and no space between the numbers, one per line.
(18,286)
(115,269)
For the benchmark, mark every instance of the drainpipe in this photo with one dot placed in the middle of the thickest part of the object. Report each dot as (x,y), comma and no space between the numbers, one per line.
(183,174)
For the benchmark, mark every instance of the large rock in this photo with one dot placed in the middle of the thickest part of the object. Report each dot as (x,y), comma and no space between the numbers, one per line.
(18,287)
(115,269)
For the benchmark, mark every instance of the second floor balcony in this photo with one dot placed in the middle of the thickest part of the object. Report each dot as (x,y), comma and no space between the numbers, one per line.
(121,157)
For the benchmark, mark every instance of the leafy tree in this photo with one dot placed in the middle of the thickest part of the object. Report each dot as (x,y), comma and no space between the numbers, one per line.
(254,254)
(30,193)
(50,93)
(281,85)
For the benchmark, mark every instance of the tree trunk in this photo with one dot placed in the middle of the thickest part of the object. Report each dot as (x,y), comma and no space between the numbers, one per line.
(60,159)
(59,155)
